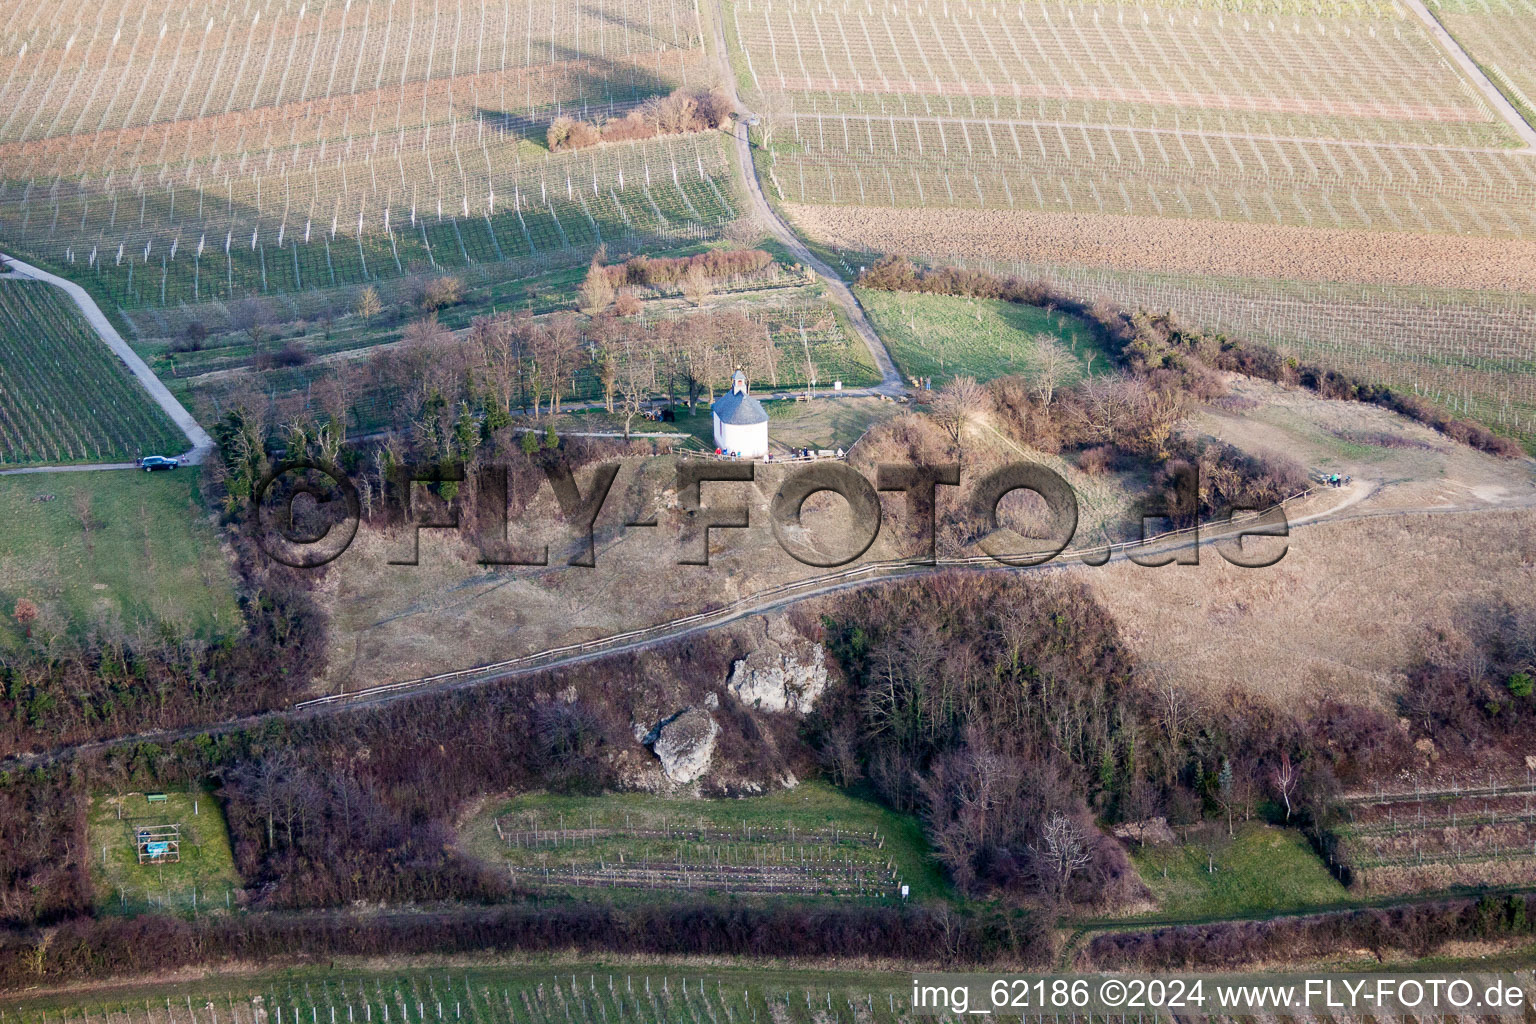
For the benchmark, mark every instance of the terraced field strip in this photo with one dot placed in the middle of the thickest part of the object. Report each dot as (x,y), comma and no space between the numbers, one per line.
(927,161)
(63,396)
(552,212)
(1481,835)
(328,142)
(589,993)
(749,858)
(1343,115)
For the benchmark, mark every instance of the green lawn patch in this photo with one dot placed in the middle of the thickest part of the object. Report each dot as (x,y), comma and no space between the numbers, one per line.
(1261,869)
(150,555)
(812,842)
(945,336)
(199,876)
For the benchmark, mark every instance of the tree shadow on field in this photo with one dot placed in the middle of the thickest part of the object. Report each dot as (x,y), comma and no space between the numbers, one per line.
(606,89)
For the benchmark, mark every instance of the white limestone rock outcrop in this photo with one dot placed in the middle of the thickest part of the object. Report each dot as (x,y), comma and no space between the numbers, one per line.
(685,743)
(786,672)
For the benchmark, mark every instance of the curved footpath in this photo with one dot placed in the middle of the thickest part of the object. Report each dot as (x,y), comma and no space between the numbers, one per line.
(890,380)
(201,443)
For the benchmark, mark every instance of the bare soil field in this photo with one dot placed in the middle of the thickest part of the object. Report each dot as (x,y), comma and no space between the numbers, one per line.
(1340,616)
(1343,613)
(1181,246)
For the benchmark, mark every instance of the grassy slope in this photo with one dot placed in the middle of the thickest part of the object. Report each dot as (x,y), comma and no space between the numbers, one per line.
(813,805)
(942,336)
(1261,869)
(155,557)
(206,863)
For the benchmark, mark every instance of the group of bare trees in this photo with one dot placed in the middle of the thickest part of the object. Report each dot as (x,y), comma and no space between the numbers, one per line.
(683,110)
(512,364)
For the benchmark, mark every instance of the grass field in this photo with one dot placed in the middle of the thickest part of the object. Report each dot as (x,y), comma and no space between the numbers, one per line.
(151,555)
(943,336)
(811,842)
(1261,869)
(64,397)
(203,878)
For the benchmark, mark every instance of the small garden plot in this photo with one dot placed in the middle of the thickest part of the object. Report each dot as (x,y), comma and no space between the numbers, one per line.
(152,851)
(1259,869)
(945,336)
(813,842)
(1408,842)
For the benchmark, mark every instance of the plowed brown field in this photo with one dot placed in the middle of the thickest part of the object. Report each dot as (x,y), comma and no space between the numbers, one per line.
(1182,246)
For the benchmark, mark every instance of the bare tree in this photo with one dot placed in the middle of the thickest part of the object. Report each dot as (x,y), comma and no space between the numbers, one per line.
(81,499)
(957,403)
(1050,368)
(1286,778)
(636,376)
(596,291)
(249,315)
(563,355)
(697,284)
(368,304)
(1064,850)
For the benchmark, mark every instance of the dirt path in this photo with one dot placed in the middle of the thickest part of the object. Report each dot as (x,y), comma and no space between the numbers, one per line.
(202,444)
(89,468)
(1489,91)
(890,380)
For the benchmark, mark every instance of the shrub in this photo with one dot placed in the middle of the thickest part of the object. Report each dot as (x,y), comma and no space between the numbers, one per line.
(1520,684)
(681,111)
(441,292)
(291,354)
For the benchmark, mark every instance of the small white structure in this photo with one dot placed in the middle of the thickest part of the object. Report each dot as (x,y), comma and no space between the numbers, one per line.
(741,423)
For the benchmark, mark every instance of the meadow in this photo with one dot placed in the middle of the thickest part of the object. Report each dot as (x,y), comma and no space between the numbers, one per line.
(203,878)
(943,336)
(64,397)
(811,842)
(1259,869)
(148,556)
